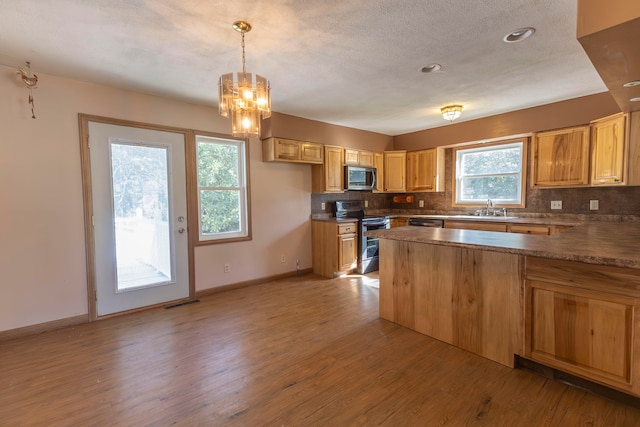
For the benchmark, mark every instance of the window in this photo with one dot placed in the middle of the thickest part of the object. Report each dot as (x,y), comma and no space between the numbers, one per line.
(490,171)
(222,189)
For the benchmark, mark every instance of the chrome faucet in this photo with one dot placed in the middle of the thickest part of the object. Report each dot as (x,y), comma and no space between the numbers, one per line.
(489,206)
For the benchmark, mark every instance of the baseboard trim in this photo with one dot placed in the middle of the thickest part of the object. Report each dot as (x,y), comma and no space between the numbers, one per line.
(43,327)
(253,282)
(84,318)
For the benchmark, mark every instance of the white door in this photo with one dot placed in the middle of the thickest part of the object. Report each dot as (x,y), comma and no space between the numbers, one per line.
(138,184)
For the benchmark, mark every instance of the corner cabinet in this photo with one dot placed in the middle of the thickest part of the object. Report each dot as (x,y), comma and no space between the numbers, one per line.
(425,170)
(289,150)
(334,247)
(561,158)
(329,176)
(608,150)
(395,171)
(584,319)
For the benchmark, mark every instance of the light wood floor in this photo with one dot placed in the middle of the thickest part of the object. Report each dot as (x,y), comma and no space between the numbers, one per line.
(298,352)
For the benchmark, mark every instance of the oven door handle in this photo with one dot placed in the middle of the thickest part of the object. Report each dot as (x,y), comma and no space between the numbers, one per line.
(374,224)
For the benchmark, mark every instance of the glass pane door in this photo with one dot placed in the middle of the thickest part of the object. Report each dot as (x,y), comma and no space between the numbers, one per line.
(140,191)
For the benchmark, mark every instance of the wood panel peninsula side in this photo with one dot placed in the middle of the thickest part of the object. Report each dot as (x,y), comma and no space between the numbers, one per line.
(570,300)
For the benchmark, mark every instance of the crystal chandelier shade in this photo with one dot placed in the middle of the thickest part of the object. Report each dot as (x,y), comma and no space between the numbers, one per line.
(245,97)
(451,112)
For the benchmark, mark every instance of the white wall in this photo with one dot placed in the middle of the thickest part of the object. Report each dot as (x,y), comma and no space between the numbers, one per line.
(42,253)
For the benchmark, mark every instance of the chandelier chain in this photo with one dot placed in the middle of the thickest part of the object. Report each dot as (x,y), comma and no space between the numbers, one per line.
(244,69)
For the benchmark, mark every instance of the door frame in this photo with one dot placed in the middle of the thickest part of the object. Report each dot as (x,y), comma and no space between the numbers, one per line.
(87,196)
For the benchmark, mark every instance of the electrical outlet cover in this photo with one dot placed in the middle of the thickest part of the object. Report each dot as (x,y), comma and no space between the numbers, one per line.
(556,204)
(594,205)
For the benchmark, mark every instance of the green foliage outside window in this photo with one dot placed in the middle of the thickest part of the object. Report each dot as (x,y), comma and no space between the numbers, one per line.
(494,172)
(220,185)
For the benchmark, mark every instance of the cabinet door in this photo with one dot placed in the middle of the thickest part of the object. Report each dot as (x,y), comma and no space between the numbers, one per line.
(351,157)
(378,163)
(561,158)
(365,158)
(311,152)
(421,170)
(608,151)
(286,149)
(583,332)
(333,169)
(395,168)
(347,251)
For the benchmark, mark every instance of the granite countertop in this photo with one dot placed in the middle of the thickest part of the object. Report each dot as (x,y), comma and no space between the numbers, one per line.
(593,242)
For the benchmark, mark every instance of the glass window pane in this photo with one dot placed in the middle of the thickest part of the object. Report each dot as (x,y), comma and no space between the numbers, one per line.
(496,188)
(219,211)
(217,165)
(491,162)
(141,211)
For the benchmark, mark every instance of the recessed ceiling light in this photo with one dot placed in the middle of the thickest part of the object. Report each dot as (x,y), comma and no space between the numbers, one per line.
(431,68)
(636,99)
(519,35)
(631,83)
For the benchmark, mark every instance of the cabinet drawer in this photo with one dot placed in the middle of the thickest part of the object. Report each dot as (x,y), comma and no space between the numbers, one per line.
(529,229)
(349,228)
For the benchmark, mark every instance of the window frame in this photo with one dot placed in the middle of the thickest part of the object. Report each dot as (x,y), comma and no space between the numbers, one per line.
(457,202)
(244,234)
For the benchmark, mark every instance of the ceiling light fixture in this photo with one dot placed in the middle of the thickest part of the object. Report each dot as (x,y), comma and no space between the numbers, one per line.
(245,100)
(636,99)
(519,35)
(632,83)
(451,112)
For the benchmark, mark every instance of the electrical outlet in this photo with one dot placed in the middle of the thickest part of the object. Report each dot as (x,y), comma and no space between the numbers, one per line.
(366,203)
(556,204)
(227,268)
(421,203)
(282,259)
(594,205)
(323,205)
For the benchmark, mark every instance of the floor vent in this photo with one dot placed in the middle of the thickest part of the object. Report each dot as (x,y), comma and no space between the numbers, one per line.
(181,303)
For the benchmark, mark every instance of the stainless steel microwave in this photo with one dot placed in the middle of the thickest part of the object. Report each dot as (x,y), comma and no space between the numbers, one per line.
(359,178)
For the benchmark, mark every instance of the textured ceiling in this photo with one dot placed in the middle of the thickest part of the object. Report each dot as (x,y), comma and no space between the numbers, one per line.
(350,62)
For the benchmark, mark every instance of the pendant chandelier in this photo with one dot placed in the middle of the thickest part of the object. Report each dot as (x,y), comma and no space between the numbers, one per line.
(244,99)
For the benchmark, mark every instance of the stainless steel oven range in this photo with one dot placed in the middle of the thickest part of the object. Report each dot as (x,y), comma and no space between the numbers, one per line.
(368,247)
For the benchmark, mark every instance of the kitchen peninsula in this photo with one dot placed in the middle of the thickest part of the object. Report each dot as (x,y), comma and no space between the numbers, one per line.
(569,300)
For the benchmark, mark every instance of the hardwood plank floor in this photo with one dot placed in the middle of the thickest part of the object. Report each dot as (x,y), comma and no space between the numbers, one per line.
(297,352)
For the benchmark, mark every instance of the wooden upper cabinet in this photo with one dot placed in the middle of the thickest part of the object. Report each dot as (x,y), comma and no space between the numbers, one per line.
(561,158)
(310,152)
(329,176)
(395,170)
(289,150)
(358,157)
(351,157)
(608,147)
(425,170)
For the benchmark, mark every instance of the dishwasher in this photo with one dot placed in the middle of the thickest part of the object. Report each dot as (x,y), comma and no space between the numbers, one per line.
(426,222)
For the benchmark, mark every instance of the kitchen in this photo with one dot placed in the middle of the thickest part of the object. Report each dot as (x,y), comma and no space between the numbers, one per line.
(51,209)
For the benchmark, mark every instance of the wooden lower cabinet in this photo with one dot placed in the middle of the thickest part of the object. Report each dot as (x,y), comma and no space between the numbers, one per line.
(334,247)
(465,297)
(477,225)
(584,319)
